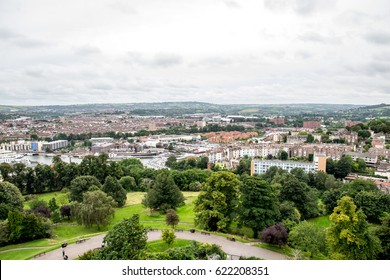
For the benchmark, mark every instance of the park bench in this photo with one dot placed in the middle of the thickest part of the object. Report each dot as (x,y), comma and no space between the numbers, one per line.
(178,230)
(81,240)
(204,233)
(231,239)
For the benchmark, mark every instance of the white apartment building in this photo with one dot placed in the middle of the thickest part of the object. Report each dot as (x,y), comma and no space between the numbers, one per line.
(261,166)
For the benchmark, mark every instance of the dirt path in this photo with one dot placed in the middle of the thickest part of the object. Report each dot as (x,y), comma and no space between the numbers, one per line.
(229,247)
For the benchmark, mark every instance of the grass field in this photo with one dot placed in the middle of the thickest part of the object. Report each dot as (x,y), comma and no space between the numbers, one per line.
(70,231)
(161,246)
(322,221)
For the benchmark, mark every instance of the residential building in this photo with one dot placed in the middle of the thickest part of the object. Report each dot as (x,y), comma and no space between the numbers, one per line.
(261,166)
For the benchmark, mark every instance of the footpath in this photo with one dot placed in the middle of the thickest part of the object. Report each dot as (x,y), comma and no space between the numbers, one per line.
(233,248)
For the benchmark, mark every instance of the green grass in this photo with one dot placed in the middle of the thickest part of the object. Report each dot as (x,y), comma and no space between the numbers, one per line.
(22,254)
(161,246)
(61,198)
(322,221)
(275,248)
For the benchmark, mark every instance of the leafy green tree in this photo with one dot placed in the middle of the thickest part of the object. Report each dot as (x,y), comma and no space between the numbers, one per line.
(244,167)
(383,233)
(4,232)
(348,236)
(171,218)
(53,204)
(343,167)
(258,206)
(114,189)
(304,197)
(283,155)
(97,208)
(168,236)
(373,204)
(10,199)
(6,171)
(81,185)
(164,194)
(27,226)
(309,239)
(128,183)
(171,162)
(330,166)
(310,138)
(125,241)
(217,202)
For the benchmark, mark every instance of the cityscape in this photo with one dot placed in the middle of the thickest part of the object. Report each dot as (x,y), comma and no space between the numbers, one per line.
(228,133)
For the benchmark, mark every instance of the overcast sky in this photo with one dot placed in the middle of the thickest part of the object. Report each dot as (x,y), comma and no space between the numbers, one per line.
(218,51)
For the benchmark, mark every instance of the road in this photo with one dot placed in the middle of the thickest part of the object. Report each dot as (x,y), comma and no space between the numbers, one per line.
(236,248)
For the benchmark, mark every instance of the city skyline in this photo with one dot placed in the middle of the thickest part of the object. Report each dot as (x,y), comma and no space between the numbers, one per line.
(221,52)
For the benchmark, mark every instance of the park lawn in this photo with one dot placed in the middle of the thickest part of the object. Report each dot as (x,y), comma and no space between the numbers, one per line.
(322,221)
(61,198)
(134,198)
(161,246)
(24,254)
(275,248)
(71,231)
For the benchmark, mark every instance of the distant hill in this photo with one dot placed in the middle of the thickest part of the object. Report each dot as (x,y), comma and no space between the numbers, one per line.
(178,108)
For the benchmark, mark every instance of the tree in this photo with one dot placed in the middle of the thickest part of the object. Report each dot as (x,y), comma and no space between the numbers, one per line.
(171,218)
(217,202)
(27,226)
(309,239)
(276,234)
(125,241)
(258,207)
(97,208)
(114,189)
(65,211)
(348,236)
(171,162)
(80,185)
(244,167)
(383,233)
(310,138)
(304,197)
(164,194)
(53,204)
(343,167)
(128,183)
(283,155)
(373,204)
(10,199)
(168,236)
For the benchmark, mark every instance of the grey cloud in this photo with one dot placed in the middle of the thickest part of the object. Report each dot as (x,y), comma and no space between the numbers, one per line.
(275,4)
(163,60)
(303,54)
(275,54)
(86,50)
(232,4)
(166,60)
(123,7)
(301,7)
(36,73)
(315,37)
(378,37)
(20,40)
(7,34)
(312,37)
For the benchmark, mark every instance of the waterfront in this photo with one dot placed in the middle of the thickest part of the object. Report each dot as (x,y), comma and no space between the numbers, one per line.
(154,162)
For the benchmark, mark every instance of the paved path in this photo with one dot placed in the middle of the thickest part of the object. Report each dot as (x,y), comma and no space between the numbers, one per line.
(229,247)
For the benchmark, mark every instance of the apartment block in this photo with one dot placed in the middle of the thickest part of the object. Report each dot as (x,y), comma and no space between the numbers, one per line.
(261,166)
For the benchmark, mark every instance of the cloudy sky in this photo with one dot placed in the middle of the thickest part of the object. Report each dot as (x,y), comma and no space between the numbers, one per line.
(218,51)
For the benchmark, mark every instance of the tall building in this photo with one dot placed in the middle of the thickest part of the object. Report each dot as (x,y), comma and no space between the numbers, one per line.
(261,166)
(55,145)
